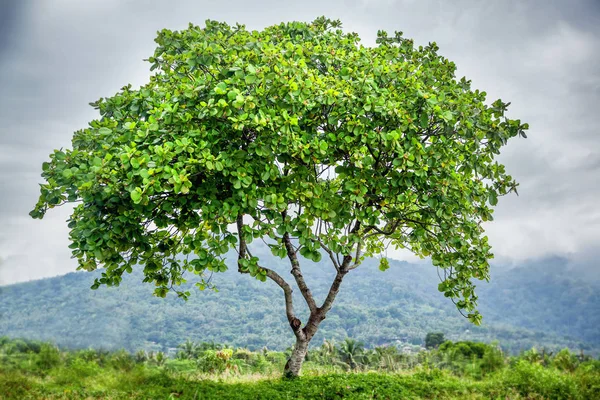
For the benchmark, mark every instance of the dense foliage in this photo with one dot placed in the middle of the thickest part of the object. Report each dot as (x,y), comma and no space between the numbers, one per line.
(344,370)
(298,134)
(434,339)
(540,297)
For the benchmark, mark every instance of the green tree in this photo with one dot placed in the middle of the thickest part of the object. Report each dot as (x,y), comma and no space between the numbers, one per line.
(434,339)
(297,135)
(188,349)
(351,352)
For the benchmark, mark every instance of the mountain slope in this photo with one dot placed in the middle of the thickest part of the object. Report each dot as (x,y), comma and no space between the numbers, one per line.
(537,304)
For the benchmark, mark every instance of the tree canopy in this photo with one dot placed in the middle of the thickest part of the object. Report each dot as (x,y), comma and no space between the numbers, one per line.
(298,135)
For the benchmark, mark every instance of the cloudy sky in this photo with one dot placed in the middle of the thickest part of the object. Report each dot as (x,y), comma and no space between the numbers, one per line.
(543,56)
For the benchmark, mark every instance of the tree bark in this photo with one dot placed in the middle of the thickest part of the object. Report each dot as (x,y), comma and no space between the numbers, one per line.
(317,314)
(305,335)
(294,363)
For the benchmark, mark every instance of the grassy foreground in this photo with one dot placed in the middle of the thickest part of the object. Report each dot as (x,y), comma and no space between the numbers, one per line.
(45,372)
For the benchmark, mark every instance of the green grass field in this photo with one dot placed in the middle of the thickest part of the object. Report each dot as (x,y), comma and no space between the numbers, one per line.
(30,370)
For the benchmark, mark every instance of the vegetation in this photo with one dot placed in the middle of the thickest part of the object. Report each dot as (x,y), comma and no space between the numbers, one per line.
(434,339)
(345,370)
(247,313)
(300,136)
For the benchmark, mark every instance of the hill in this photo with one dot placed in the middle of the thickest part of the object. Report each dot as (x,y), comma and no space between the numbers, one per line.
(534,305)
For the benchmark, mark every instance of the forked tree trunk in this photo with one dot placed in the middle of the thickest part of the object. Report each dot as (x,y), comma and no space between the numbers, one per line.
(294,363)
(317,314)
(304,335)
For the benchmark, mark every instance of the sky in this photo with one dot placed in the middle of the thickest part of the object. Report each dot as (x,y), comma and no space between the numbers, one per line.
(541,55)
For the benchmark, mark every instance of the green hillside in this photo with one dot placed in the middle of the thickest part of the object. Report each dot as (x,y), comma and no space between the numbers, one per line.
(522,307)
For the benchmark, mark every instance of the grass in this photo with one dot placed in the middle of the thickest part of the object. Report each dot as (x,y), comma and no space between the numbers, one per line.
(33,370)
(523,381)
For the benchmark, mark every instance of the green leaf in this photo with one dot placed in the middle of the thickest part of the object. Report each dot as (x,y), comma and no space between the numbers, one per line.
(221,88)
(232,94)
(384,264)
(135,163)
(493,197)
(136,195)
(424,120)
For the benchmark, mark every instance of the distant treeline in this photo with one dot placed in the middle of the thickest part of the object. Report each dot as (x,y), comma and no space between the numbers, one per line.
(536,305)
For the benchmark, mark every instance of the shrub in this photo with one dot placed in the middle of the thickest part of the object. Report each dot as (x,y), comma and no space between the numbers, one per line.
(565,360)
(210,362)
(533,379)
(244,354)
(492,360)
(48,357)
(122,360)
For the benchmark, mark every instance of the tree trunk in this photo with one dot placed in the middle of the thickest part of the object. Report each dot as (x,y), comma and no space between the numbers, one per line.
(294,363)
(304,335)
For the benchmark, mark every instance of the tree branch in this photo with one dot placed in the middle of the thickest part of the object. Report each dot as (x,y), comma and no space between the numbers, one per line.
(295,323)
(330,253)
(333,291)
(289,304)
(348,258)
(297,273)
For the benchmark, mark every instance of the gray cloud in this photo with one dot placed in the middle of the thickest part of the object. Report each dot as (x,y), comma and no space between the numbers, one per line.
(55,57)
(9,17)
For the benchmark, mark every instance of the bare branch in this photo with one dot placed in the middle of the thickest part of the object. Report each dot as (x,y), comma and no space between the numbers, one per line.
(357,256)
(297,273)
(275,277)
(289,305)
(331,255)
(348,258)
(333,291)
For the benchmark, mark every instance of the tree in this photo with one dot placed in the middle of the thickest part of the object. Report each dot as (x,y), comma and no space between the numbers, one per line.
(296,135)
(350,351)
(188,349)
(434,339)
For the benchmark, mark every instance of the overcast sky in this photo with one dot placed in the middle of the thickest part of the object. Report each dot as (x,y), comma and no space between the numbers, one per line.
(543,56)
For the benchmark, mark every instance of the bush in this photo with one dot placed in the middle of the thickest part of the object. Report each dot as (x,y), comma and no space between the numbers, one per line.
(179,365)
(492,360)
(531,379)
(466,349)
(438,374)
(122,360)
(565,360)
(48,357)
(210,362)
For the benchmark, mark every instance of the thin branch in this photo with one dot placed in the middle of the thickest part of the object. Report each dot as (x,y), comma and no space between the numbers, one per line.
(348,258)
(331,255)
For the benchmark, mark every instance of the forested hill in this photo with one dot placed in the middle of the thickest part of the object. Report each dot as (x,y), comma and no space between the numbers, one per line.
(534,305)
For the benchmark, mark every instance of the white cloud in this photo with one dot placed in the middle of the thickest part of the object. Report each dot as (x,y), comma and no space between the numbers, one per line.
(32,249)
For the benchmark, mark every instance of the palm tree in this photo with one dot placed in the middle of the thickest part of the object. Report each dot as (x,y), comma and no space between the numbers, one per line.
(160,358)
(351,351)
(324,354)
(386,357)
(328,347)
(188,349)
(141,357)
